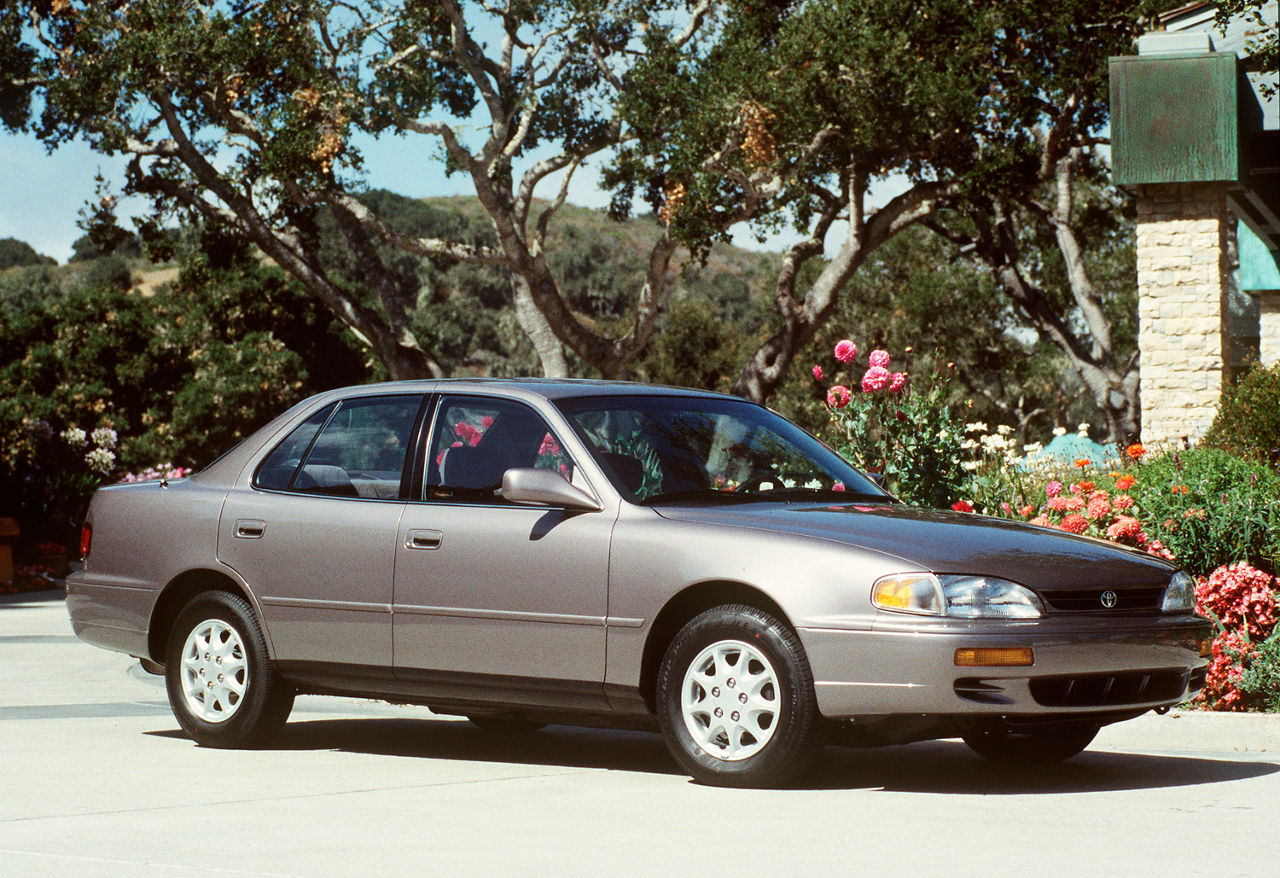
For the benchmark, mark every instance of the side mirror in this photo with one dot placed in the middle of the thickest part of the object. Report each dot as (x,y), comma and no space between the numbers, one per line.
(544,487)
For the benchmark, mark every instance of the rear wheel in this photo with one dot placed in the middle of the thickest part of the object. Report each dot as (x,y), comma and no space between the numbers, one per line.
(735,699)
(1033,745)
(222,688)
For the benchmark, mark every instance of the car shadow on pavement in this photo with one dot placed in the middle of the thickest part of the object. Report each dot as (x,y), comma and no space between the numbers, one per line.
(433,738)
(951,767)
(946,767)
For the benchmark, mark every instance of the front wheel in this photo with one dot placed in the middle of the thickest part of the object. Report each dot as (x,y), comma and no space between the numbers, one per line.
(1033,745)
(222,688)
(735,699)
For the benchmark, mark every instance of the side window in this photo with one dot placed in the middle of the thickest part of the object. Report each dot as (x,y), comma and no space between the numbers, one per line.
(477,439)
(361,450)
(277,471)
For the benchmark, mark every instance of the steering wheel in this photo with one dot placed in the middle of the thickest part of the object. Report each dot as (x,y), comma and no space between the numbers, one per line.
(756,482)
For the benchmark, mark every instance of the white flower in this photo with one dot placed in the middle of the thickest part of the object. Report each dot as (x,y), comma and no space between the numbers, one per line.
(943,434)
(100,460)
(969,465)
(105,437)
(976,427)
(1033,447)
(74,436)
(1059,431)
(1083,429)
(1004,429)
(969,443)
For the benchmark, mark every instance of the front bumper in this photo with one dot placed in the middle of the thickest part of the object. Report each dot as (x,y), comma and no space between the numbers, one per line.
(1082,665)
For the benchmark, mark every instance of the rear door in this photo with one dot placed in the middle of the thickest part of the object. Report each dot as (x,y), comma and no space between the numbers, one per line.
(315,535)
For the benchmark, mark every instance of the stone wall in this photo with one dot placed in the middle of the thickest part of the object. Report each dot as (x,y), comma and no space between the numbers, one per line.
(1269,327)
(1183,276)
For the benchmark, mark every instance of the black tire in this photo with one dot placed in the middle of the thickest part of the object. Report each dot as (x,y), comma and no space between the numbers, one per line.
(504,725)
(233,641)
(769,746)
(1032,745)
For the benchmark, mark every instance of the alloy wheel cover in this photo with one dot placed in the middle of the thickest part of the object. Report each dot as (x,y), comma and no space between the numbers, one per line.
(730,700)
(214,670)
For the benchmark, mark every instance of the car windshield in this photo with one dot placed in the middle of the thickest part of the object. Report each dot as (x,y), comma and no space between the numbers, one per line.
(672,448)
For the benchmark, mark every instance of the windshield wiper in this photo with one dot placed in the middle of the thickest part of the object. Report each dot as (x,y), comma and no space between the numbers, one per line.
(824,494)
(700,494)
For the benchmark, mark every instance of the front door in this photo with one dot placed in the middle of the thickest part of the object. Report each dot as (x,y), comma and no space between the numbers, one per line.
(487,587)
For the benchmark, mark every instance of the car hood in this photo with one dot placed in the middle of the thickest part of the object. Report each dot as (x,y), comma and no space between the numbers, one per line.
(948,542)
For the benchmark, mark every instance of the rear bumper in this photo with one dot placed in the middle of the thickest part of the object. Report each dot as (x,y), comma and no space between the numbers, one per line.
(110,616)
(1080,667)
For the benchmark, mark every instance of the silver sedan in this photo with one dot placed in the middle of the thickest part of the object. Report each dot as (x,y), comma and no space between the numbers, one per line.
(526,552)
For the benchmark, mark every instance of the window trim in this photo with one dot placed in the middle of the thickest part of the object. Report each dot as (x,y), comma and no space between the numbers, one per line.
(334,407)
(418,492)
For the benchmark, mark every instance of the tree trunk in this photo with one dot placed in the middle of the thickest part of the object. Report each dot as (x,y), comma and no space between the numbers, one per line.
(538,328)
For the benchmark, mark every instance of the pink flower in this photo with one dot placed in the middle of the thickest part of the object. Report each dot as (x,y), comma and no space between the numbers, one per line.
(876,378)
(1125,529)
(1099,507)
(846,350)
(549,446)
(817,372)
(1026,511)
(962,506)
(1066,504)
(486,422)
(1076,524)
(1124,501)
(1041,521)
(838,486)
(880,358)
(897,381)
(1053,489)
(838,396)
(467,432)
(1006,508)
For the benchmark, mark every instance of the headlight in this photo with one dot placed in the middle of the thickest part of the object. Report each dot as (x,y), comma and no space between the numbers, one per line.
(985,597)
(909,593)
(1180,596)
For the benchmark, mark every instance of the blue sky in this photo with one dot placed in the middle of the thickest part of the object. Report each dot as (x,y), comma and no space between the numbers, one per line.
(42,193)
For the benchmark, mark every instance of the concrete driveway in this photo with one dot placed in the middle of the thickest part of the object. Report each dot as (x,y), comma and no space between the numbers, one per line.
(96,780)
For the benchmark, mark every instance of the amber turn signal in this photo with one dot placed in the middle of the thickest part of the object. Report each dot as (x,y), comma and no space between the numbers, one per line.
(1001,657)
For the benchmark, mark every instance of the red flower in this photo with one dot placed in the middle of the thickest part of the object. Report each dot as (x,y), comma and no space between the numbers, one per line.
(962,506)
(1082,462)
(1135,451)
(838,396)
(1075,523)
(1125,482)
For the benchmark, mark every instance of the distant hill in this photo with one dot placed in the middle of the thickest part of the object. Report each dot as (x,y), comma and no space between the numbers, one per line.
(15,253)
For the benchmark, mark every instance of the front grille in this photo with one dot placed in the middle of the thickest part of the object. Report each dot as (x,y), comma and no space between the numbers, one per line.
(1110,690)
(1089,600)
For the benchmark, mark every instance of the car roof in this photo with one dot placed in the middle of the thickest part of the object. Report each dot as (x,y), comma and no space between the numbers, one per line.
(547,388)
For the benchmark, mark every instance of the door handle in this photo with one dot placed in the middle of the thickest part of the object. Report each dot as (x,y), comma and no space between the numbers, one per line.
(424,539)
(250,528)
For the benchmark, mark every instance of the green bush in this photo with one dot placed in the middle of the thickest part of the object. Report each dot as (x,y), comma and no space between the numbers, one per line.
(1211,507)
(1248,419)
(1260,678)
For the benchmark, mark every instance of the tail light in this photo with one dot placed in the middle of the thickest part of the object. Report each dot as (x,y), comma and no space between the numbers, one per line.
(86,539)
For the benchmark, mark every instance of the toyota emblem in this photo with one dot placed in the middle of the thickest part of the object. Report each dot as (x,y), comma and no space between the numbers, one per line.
(1109,599)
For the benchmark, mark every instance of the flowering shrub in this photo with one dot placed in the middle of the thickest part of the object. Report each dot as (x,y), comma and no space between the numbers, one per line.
(47,474)
(895,426)
(1241,600)
(29,577)
(157,472)
(1210,508)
